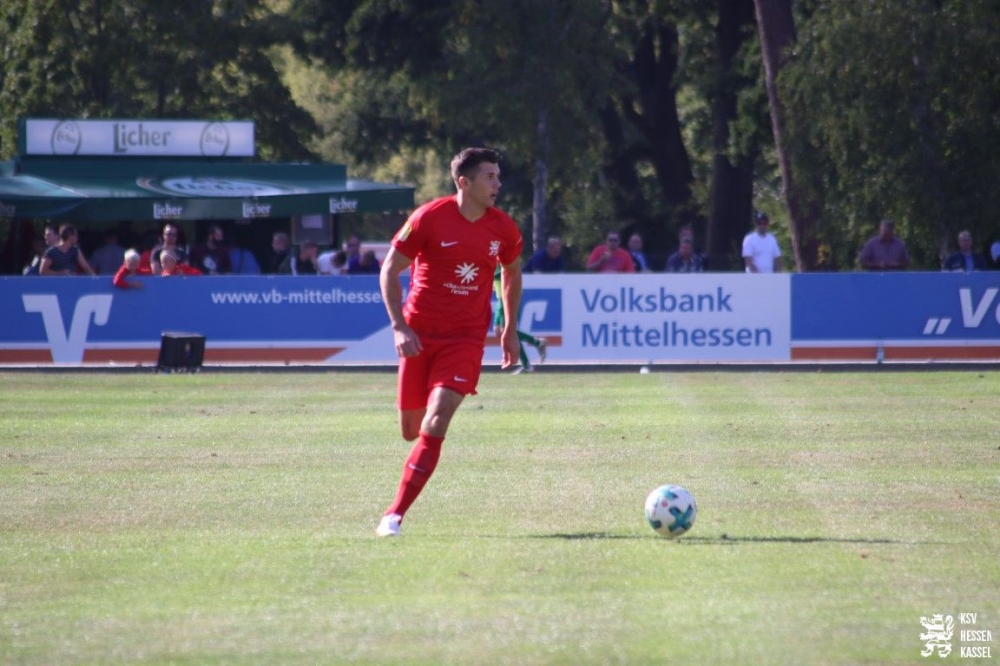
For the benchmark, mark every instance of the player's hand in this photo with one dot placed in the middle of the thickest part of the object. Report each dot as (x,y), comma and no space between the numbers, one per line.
(407,342)
(511,348)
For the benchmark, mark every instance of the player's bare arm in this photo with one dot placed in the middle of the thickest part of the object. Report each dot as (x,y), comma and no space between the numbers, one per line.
(510,295)
(407,342)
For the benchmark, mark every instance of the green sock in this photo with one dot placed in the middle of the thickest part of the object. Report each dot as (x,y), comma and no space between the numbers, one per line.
(527,337)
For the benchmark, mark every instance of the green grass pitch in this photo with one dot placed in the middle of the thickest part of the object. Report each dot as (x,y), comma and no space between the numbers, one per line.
(228,518)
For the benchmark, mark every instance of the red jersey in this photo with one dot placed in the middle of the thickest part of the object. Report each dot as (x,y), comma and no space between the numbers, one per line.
(620,260)
(120,279)
(453,264)
(181,269)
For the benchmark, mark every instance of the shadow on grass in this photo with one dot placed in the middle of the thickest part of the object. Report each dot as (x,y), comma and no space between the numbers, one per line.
(584,536)
(728,540)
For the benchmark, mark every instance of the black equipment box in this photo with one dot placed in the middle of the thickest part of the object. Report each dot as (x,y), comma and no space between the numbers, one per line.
(181,352)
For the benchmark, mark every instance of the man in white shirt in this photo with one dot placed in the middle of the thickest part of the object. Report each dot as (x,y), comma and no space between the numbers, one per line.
(761,253)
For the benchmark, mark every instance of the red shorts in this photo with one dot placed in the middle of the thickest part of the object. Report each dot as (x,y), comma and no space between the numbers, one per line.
(455,365)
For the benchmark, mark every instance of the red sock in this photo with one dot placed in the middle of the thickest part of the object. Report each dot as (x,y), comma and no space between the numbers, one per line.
(416,472)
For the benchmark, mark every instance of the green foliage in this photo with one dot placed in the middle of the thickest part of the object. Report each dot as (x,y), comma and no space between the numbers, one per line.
(144,58)
(893,109)
(457,73)
(891,106)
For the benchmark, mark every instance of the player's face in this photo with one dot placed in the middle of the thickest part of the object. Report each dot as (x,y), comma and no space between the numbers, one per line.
(484,187)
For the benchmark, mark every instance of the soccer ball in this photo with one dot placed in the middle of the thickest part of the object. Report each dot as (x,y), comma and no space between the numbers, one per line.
(670,511)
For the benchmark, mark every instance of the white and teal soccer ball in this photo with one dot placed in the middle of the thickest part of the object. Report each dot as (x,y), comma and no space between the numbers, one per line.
(671,511)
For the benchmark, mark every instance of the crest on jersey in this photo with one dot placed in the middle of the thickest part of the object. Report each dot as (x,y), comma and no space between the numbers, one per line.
(494,248)
(467,272)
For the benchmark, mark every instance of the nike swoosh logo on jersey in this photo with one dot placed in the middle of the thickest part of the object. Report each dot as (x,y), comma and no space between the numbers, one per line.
(459,379)
(444,244)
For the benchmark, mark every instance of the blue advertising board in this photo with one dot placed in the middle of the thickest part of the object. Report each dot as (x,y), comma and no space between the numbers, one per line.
(246,319)
(909,316)
(716,318)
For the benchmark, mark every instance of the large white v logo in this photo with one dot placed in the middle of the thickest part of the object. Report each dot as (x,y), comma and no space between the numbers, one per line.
(68,348)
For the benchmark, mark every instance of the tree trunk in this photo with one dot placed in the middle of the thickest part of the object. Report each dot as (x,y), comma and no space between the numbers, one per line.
(653,113)
(731,188)
(619,167)
(776,26)
(539,222)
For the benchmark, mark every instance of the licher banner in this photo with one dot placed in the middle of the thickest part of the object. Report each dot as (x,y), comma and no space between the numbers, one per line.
(658,318)
(137,138)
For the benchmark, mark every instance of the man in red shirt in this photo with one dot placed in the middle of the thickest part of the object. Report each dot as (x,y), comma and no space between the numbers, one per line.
(453,245)
(610,257)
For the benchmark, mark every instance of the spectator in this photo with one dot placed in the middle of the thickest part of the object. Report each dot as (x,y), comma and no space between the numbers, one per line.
(610,257)
(638,258)
(243,262)
(686,259)
(353,249)
(212,257)
(131,267)
(170,243)
(280,250)
(548,259)
(64,258)
(761,253)
(40,246)
(332,262)
(171,266)
(303,263)
(885,252)
(965,259)
(148,243)
(366,265)
(995,253)
(107,258)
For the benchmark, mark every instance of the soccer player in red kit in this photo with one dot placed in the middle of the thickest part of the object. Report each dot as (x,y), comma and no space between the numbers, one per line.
(453,245)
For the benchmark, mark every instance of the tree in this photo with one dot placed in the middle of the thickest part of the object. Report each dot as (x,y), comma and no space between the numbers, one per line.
(141,58)
(776,25)
(893,108)
(642,124)
(452,73)
(584,98)
(726,113)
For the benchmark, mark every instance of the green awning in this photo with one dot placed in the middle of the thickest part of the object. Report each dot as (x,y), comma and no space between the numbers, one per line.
(96,190)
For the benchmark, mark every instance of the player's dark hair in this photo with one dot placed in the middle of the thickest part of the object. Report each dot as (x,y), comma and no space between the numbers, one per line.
(467,162)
